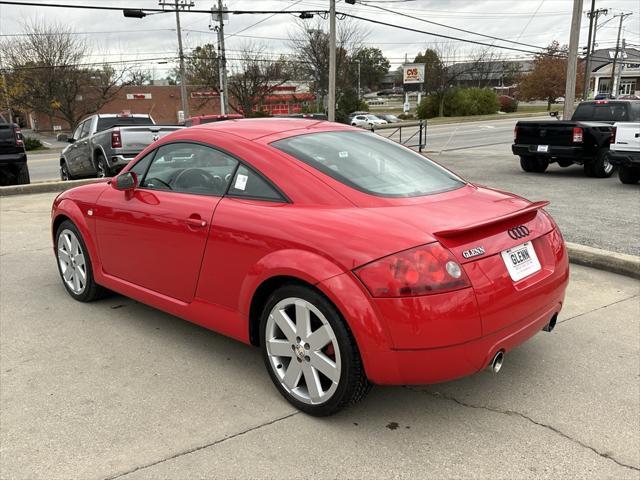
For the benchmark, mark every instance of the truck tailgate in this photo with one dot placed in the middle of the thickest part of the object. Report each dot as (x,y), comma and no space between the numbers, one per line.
(546,133)
(135,139)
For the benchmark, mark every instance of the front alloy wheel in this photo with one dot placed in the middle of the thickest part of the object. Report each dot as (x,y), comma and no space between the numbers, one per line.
(310,353)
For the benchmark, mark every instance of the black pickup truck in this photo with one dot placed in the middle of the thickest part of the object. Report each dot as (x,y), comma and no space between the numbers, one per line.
(13,157)
(583,140)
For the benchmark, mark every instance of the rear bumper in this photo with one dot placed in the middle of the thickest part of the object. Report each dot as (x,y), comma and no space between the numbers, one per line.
(554,151)
(11,158)
(118,162)
(625,159)
(414,367)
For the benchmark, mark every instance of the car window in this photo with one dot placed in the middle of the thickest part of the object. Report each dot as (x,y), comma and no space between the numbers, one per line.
(610,112)
(86,129)
(370,163)
(190,168)
(105,123)
(360,117)
(78,131)
(250,184)
(141,165)
(583,112)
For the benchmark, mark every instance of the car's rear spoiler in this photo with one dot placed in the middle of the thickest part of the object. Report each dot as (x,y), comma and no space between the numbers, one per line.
(463,229)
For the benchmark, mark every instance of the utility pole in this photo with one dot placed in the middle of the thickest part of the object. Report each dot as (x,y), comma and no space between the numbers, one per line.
(619,76)
(591,46)
(332,61)
(222,62)
(572,60)
(358,79)
(180,4)
(614,86)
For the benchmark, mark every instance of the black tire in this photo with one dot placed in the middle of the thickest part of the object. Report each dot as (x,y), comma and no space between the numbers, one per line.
(102,168)
(600,165)
(22,177)
(629,175)
(352,385)
(64,171)
(92,291)
(533,164)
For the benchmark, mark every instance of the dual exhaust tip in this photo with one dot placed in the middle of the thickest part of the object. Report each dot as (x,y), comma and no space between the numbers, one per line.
(498,358)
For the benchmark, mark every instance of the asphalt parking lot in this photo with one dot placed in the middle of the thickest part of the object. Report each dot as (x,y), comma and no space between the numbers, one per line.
(599,212)
(115,389)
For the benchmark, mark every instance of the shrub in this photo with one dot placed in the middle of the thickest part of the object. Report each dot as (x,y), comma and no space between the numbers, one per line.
(460,102)
(406,116)
(347,103)
(508,104)
(428,107)
(31,143)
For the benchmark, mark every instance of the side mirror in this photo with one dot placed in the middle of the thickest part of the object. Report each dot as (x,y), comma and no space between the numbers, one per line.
(71,140)
(125,181)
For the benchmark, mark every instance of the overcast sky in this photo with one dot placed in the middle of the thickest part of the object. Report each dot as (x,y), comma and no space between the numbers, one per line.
(113,37)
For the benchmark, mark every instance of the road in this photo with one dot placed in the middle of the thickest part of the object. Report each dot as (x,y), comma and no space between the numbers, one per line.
(115,389)
(45,166)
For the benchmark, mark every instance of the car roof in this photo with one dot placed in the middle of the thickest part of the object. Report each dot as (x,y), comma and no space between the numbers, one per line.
(254,128)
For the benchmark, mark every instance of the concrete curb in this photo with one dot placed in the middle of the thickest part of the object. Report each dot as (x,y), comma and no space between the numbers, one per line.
(44,187)
(620,263)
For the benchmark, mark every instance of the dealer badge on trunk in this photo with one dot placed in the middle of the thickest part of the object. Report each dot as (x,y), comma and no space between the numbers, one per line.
(473,252)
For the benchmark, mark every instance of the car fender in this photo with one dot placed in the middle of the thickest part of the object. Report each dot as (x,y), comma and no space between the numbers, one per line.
(307,266)
(75,213)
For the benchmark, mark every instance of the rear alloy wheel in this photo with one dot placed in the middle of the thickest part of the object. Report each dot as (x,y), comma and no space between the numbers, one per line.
(309,353)
(74,264)
(600,167)
(64,172)
(102,168)
(629,175)
(533,164)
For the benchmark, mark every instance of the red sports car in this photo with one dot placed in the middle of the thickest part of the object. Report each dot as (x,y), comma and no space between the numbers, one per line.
(349,259)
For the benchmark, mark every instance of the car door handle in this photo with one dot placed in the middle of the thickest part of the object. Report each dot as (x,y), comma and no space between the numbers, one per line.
(196,222)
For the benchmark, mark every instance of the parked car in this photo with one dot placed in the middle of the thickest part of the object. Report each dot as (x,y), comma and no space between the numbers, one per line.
(200,119)
(13,156)
(347,258)
(316,116)
(389,118)
(103,144)
(602,96)
(353,114)
(583,140)
(625,151)
(367,121)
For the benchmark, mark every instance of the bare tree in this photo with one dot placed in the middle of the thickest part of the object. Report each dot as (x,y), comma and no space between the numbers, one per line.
(255,76)
(139,77)
(310,42)
(49,74)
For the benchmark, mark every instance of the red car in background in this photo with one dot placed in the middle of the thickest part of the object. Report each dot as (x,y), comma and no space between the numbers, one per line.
(349,259)
(202,119)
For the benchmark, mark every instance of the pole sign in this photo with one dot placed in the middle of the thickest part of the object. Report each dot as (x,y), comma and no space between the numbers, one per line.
(413,73)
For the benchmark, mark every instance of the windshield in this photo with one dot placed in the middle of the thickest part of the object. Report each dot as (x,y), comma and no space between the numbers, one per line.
(604,112)
(105,123)
(370,163)
(372,117)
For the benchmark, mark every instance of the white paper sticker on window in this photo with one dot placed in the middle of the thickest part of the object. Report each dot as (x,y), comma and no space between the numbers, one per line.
(241,182)
(343,154)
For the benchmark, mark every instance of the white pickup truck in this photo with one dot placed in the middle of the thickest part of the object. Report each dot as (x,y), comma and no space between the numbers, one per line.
(624,151)
(103,144)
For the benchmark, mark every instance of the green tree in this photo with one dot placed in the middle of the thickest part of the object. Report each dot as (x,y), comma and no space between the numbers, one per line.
(373,66)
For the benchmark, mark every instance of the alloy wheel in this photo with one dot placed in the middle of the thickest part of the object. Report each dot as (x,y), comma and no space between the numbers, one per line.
(72,262)
(303,351)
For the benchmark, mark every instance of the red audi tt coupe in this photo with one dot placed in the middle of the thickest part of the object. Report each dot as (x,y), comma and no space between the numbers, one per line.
(347,258)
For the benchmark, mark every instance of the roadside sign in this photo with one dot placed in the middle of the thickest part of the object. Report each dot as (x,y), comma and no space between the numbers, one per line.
(180,116)
(413,73)
(406,107)
(57,128)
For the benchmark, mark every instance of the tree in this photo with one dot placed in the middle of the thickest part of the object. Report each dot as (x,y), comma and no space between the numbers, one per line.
(201,67)
(373,66)
(311,43)
(139,77)
(48,73)
(255,77)
(433,69)
(548,76)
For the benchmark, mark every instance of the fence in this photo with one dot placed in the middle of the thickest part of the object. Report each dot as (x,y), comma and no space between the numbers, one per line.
(415,132)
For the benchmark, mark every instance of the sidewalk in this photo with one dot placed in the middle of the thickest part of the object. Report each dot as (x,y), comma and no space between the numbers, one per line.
(115,389)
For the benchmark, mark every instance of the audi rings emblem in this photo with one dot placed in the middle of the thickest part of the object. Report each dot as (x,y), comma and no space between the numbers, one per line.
(518,232)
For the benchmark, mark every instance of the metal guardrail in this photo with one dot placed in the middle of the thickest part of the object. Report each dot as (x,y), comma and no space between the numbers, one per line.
(394,128)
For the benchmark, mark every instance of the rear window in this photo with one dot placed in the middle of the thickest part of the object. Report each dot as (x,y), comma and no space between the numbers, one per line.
(109,122)
(6,131)
(604,112)
(370,163)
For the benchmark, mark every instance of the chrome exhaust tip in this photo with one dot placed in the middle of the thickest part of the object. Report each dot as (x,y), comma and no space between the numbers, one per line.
(552,324)
(496,363)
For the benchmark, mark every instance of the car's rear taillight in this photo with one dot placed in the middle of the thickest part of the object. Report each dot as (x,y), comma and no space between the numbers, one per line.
(614,130)
(18,135)
(577,135)
(419,271)
(116,139)
(515,134)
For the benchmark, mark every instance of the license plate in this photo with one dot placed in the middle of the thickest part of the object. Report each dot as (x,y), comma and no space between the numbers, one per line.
(543,148)
(521,261)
